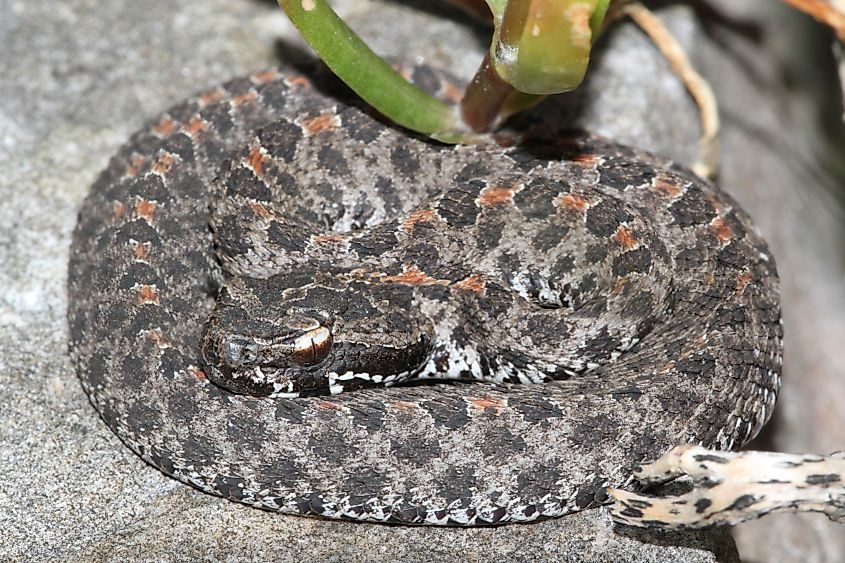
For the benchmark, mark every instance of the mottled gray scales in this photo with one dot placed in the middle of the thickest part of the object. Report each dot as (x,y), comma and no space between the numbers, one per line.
(349,257)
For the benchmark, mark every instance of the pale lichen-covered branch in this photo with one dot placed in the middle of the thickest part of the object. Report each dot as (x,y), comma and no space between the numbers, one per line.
(729,488)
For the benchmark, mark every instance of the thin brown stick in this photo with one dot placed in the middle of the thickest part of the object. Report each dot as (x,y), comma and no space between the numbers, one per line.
(484,97)
(729,488)
(707,162)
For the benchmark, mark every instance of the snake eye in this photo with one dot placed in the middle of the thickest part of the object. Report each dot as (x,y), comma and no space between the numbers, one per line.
(312,347)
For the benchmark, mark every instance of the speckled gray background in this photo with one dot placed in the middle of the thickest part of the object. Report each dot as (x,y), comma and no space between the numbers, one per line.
(76,77)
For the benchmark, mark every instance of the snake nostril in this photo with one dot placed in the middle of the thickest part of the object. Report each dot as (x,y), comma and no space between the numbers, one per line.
(237,352)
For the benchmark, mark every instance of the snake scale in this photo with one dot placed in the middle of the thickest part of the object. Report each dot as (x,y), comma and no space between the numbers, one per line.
(352,256)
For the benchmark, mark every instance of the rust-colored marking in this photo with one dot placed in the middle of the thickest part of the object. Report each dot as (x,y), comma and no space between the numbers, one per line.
(145,209)
(414,276)
(421,216)
(148,294)
(742,281)
(721,229)
(118,211)
(244,98)
(326,121)
(473,283)
(666,185)
(625,237)
(194,126)
(486,404)
(451,93)
(404,405)
(259,209)
(619,286)
(141,250)
(164,127)
(572,202)
(197,372)
(256,161)
(300,81)
(134,166)
(495,195)
(163,163)
(585,159)
(211,97)
(328,239)
(266,76)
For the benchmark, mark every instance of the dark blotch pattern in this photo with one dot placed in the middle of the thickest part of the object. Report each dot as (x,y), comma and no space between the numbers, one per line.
(462,261)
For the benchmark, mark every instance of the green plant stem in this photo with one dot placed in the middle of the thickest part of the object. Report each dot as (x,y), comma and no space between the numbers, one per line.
(484,98)
(524,65)
(543,46)
(489,100)
(371,77)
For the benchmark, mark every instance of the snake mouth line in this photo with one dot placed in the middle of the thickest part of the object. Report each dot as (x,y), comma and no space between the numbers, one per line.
(334,383)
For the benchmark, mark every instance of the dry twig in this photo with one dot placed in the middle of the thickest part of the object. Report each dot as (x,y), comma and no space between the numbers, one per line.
(707,162)
(729,488)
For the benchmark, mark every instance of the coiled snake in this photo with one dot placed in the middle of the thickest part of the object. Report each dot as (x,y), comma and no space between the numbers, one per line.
(640,295)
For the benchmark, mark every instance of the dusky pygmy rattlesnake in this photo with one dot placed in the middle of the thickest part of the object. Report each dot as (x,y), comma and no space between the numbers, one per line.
(643,292)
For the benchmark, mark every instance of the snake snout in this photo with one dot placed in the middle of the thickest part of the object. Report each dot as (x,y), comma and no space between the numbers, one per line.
(231,361)
(239,352)
(274,366)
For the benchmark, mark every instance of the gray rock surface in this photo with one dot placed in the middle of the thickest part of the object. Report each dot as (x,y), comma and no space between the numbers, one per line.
(79,76)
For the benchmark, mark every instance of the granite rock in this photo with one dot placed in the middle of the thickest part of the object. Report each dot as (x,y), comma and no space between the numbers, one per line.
(81,75)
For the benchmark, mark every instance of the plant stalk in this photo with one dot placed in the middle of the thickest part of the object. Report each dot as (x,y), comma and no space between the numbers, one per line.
(371,77)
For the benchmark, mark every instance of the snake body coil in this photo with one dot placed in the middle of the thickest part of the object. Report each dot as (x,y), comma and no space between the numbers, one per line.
(639,295)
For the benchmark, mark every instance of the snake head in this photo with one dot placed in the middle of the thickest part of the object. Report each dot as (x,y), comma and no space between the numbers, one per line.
(288,336)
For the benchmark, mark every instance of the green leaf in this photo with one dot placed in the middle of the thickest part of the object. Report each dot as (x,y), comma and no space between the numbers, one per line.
(371,77)
(543,46)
